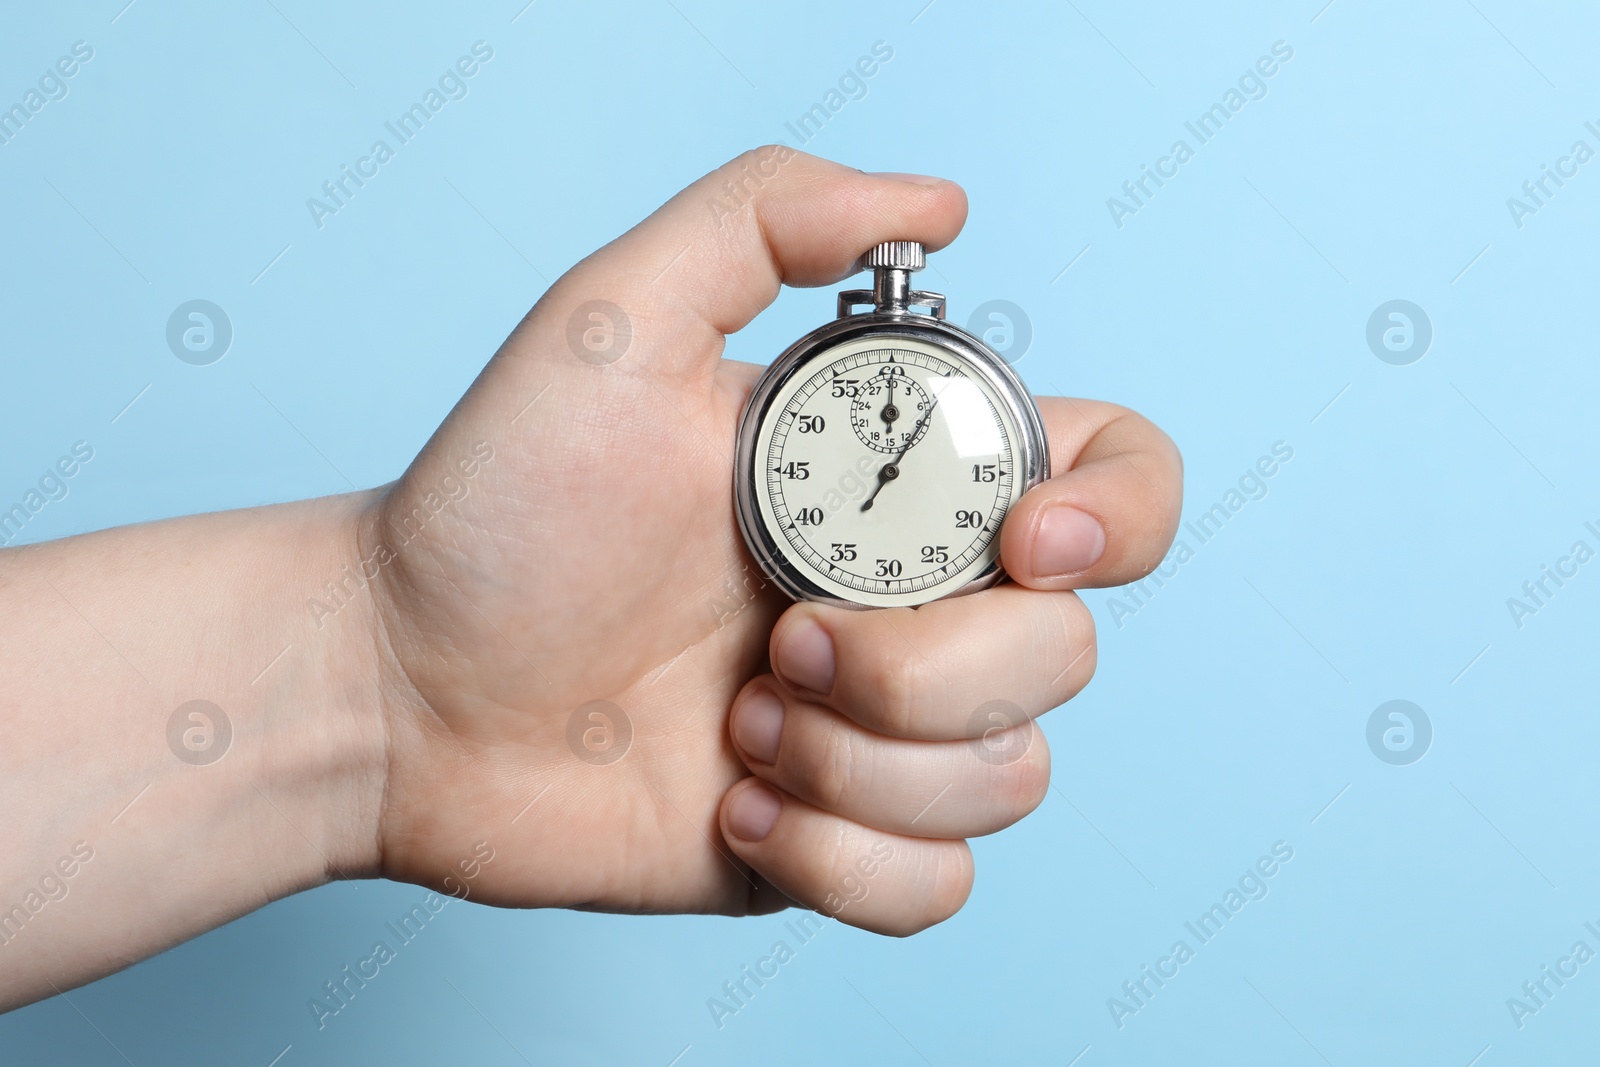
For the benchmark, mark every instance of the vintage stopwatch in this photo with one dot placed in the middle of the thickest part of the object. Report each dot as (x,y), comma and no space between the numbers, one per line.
(880,453)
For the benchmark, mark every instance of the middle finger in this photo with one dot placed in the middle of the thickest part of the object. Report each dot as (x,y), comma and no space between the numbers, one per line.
(935,673)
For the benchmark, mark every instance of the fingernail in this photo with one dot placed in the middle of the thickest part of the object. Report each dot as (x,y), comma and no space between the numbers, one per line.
(1069,541)
(901,176)
(753,811)
(805,657)
(758,724)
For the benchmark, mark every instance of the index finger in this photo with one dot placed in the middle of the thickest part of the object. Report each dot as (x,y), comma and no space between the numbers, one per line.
(1109,514)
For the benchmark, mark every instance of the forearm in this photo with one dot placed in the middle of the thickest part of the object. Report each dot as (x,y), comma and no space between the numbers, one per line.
(125,831)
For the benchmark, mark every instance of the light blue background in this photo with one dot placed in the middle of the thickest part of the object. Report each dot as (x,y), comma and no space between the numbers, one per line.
(1227,713)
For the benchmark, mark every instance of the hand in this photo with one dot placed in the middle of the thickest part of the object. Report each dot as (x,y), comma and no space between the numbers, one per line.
(595,557)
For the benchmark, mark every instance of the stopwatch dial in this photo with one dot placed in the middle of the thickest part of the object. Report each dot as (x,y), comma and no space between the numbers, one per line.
(888,507)
(887,411)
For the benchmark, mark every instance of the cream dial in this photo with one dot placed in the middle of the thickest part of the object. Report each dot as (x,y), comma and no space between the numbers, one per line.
(885,470)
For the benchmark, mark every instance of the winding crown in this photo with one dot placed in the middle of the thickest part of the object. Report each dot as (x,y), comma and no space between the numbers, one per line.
(902,255)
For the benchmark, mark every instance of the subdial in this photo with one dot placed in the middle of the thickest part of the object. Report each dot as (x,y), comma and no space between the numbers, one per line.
(887,411)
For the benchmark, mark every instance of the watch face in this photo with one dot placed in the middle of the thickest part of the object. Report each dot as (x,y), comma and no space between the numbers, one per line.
(883,468)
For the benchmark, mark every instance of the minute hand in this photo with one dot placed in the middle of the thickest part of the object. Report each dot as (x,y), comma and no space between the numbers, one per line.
(891,470)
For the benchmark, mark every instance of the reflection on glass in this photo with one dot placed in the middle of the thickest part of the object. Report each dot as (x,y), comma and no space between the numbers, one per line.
(973,429)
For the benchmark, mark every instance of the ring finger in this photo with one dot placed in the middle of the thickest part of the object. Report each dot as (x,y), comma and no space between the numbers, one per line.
(918,788)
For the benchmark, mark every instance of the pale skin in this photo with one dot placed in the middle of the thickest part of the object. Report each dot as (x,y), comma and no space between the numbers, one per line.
(593,556)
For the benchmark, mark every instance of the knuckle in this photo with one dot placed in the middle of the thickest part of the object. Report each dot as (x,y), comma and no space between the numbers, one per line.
(830,778)
(1155,443)
(1135,422)
(1116,414)
(897,693)
(761,162)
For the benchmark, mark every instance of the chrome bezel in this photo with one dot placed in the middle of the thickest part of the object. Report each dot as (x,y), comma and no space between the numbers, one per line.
(764,546)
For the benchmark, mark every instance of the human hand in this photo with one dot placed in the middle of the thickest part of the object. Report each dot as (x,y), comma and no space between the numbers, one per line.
(595,557)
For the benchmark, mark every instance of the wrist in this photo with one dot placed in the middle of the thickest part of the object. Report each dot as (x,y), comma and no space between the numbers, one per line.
(240,699)
(325,719)
(225,750)
(295,764)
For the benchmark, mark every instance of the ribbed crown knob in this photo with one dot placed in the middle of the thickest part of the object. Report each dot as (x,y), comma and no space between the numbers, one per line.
(904,255)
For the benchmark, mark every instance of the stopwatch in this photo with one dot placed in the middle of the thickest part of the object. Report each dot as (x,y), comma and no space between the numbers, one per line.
(879,454)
